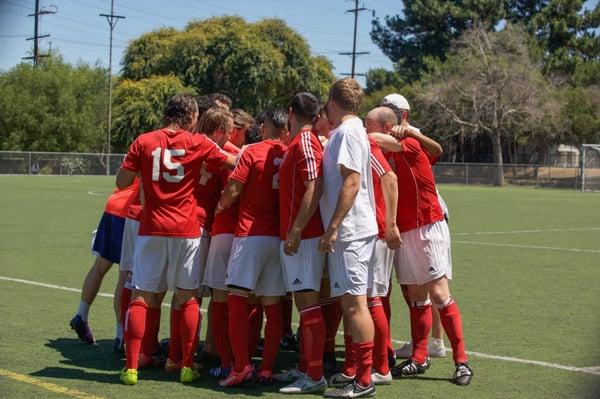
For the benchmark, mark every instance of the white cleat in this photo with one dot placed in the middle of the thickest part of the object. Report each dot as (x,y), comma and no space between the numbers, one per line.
(289,376)
(305,385)
(435,348)
(381,379)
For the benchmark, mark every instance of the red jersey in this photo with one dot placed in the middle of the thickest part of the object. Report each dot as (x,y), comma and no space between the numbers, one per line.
(119,201)
(230,148)
(226,221)
(301,163)
(379,166)
(418,203)
(208,191)
(170,163)
(258,169)
(135,209)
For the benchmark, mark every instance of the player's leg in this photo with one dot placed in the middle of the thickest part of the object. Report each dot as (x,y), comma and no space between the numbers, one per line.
(332,315)
(124,285)
(289,341)
(122,308)
(255,324)
(273,332)
(150,345)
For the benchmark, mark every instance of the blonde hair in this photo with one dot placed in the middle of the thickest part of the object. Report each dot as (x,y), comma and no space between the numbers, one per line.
(215,119)
(347,94)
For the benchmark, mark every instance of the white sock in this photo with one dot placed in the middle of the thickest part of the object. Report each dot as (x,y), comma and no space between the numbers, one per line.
(436,343)
(119,331)
(83,310)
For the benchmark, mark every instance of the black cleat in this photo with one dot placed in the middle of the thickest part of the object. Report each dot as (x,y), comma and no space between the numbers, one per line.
(463,374)
(352,390)
(83,330)
(410,368)
(289,343)
(329,363)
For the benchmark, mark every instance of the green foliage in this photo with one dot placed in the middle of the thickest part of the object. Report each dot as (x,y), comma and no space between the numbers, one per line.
(56,107)
(258,64)
(378,78)
(581,115)
(139,104)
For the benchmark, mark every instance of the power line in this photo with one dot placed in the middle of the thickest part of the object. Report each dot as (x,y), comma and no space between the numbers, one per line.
(36,36)
(355,53)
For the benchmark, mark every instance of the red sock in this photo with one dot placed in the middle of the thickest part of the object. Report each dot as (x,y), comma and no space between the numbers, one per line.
(349,357)
(420,327)
(190,318)
(451,320)
(387,308)
(238,329)
(312,329)
(364,362)
(273,333)
(150,341)
(175,336)
(219,316)
(287,302)
(303,364)
(382,332)
(332,315)
(135,326)
(125,298)
(255,321)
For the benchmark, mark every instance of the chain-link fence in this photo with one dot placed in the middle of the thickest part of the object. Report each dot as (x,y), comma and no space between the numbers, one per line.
(53,163)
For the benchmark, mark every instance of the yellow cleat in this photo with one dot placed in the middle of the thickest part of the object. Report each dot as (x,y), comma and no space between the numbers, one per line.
(129,376)
(188,374)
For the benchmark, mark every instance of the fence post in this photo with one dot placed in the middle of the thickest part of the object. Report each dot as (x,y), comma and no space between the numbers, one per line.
(29,163)
(466,174)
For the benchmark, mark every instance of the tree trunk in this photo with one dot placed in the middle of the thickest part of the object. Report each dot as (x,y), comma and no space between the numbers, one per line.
(497,150)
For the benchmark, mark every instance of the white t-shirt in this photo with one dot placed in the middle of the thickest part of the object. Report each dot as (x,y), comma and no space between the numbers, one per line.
(348,145)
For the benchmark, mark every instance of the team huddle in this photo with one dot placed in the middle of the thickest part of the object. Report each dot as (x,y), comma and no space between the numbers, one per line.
(307,204)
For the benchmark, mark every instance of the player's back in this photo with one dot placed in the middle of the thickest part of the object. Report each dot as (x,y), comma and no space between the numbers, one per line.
(258,169)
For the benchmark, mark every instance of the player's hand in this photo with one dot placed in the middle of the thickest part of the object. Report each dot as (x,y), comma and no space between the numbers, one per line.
(398,132)
(292,242)
(328,240)
(392,237)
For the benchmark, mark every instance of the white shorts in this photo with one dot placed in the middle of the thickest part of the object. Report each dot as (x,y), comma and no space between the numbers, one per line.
(350,265)
(424,255)
(202,259)
(254,264)
(379,278)
(304,270)
(161,263)
(130,234)
(216,264)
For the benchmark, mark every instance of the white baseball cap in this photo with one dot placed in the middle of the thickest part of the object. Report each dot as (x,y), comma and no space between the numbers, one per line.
(397,100)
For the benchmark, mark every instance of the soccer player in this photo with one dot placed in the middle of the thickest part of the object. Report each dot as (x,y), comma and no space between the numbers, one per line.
(254,264)
(107,248)
(300,229)
(241,123)
(169,161)
(349,239)
(424,261)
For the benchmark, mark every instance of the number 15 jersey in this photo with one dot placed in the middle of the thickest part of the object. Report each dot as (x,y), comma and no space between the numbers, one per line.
(170,163)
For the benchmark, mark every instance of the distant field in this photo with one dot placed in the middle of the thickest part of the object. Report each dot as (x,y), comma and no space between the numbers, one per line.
(527,278)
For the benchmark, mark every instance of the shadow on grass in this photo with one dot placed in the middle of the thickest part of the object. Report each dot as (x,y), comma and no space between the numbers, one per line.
(76,353)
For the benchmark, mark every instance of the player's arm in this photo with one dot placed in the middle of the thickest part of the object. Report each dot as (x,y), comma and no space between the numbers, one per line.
(231,193)
(308,206)
(350,188)
(432,147)
(229,162)
(386,142)
(125,178)
(389,188)
(130,167)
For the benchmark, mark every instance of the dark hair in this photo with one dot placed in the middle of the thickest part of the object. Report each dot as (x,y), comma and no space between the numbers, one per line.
(179,111)
(260,118)
(252,134)
(224,98)
(204,104)
(305,106)
(278,118)
(241,119)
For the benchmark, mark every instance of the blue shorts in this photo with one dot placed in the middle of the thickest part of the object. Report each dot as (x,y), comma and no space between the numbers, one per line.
(109,237)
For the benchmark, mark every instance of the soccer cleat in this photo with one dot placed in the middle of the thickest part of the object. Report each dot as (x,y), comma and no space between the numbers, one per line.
(434,349)
(156,360)
(188,374)
(353,390)
(83,330)
(410,368)
(305,385)
(463,374)
(219,372)
(129,376)
(265,377)
(118,346)
(289,343)
(329,363)
(235,378)
(171,366)
(340,380)
(381,379)
(289,375)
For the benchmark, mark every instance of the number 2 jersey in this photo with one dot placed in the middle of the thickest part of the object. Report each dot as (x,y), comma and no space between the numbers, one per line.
(258,168)
(169,163)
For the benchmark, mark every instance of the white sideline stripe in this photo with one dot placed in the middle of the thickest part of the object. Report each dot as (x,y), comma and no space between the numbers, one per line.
(495,244)
(595,370)
(480,233)
(92,192)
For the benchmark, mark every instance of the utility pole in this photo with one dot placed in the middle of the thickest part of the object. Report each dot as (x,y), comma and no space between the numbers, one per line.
(36,36)
(354,53)
(112,22)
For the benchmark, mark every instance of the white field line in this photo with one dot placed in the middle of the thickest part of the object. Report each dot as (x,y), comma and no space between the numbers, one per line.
(557,230)
(595,370)
(94,193)
(544,248)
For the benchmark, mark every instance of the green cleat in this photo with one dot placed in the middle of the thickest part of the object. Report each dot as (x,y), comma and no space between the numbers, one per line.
(129,376)
(188,374)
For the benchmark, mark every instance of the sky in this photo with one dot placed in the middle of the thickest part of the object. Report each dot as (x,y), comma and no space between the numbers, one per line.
(79,33)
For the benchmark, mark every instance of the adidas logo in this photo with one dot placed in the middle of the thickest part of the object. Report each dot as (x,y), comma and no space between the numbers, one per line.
(336,285)
(297,282)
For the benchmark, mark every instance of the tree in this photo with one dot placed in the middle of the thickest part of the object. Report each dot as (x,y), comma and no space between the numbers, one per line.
(427,28)
(139,106)
(490,86)
(259,65)
(54,107)
(378,78)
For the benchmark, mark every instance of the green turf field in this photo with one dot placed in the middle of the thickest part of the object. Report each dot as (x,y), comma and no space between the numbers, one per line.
(526,269)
